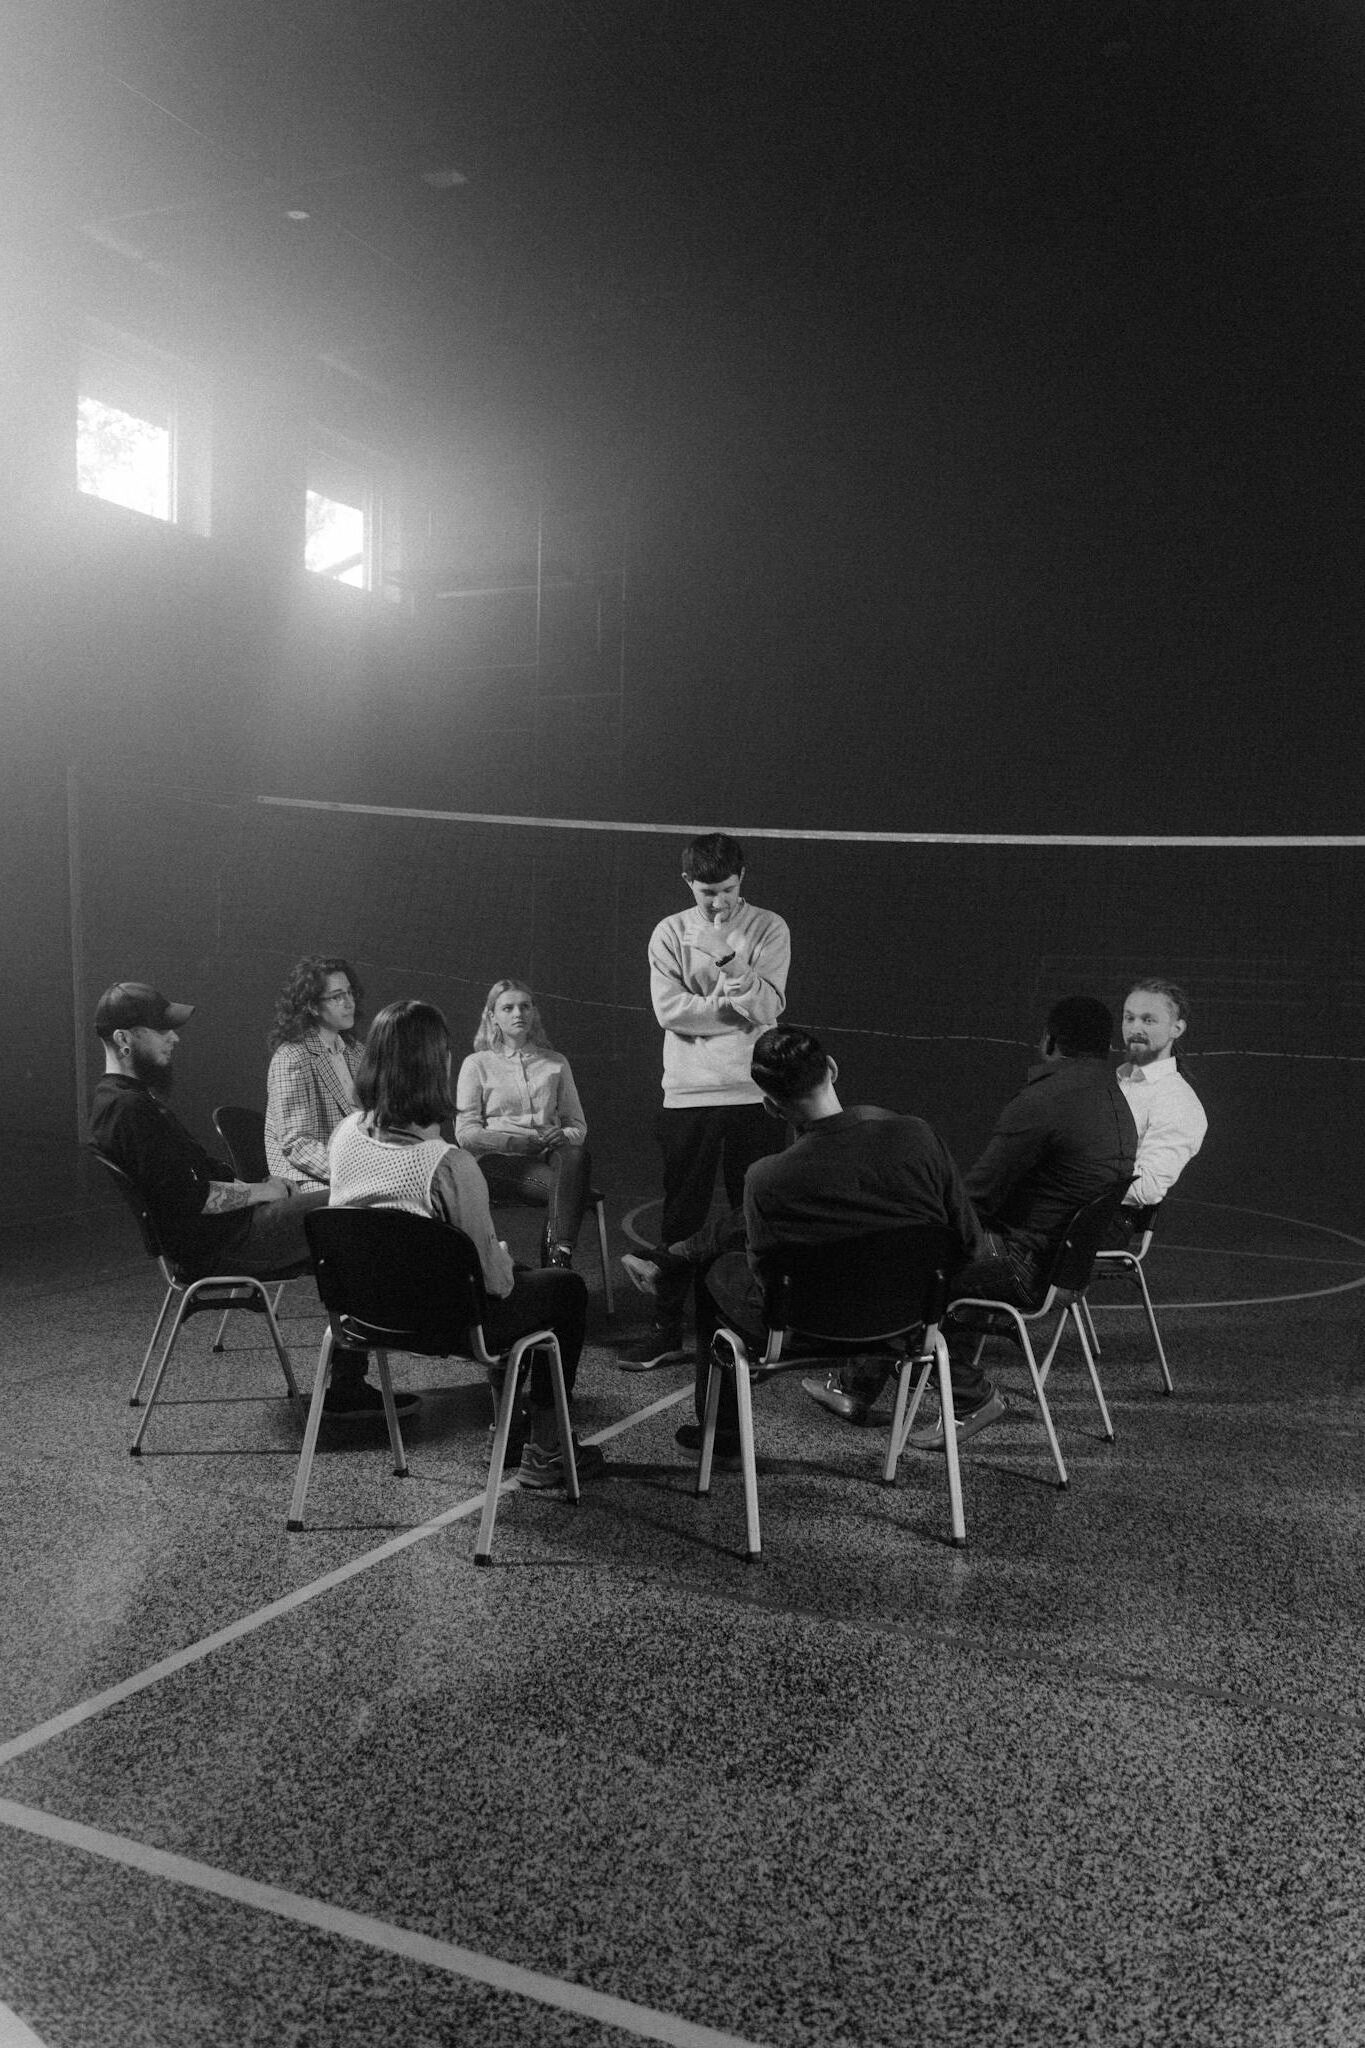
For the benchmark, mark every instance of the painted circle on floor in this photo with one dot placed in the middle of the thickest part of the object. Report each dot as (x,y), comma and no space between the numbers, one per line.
(1220,1249)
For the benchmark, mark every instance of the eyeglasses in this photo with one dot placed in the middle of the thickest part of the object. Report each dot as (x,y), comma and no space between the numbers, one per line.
(339,995)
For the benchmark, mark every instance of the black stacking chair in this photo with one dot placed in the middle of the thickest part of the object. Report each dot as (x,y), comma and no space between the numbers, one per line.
(501,1193)
(193,1295)
(1068,1277)
(243,1132)
(392,1281)
(878,1292)
(1129,1259)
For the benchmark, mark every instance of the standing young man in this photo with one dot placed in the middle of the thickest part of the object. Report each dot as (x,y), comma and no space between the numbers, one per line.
(718,978)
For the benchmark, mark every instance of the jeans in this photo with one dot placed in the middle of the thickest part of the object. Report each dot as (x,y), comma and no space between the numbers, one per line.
(561,1179)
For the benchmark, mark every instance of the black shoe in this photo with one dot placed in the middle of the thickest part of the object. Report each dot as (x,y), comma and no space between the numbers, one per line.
(359,1404)
(560,1255)
(725,1453)
(661,1345)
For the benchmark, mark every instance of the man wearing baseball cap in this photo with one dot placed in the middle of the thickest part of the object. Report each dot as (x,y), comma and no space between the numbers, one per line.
(207,1219)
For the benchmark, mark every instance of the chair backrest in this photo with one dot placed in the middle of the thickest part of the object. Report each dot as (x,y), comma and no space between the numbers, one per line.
(132,1195)
(406,1282)
(862,1289)
(1074,1259)
(243,1132)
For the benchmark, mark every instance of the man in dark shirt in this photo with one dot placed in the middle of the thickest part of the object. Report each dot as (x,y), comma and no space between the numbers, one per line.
(849,1172)
(1063,1139)
(208,1220)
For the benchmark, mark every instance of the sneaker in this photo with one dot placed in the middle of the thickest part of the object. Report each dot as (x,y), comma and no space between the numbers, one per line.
(641,1273)
(358,1404)
(544,1468)
(725,1453)
(661,1345)
(930,1438)
(831,1394)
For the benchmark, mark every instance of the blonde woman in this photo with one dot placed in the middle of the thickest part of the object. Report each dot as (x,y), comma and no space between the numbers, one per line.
(517,1110)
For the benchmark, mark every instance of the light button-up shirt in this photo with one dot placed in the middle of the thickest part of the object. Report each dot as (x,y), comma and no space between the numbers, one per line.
(1170,1123)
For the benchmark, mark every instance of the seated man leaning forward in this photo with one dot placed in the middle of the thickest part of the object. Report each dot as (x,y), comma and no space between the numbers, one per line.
(1062,1140)
(1169,1116)
(849,1173)
(208,1220)
(391,1155)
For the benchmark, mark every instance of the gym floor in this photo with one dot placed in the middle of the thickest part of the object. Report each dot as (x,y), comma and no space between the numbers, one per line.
(1099,1778)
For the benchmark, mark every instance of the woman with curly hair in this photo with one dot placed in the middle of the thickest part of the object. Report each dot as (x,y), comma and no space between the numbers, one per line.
(518,1112)
(315,1051)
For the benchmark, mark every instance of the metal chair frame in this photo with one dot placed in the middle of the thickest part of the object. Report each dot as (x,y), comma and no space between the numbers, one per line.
(500,1197)
(243,1132)
(213,1292)
(1068,1277)
(819,1294)
(421,1293)
(1129,1259)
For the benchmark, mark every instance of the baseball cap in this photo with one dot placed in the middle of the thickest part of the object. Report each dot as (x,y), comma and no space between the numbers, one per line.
(130,1003)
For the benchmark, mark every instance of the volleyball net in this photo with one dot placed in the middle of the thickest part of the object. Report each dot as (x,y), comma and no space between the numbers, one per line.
(930,959)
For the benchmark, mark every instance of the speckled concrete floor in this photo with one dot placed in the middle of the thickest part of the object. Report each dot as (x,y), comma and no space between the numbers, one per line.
(1098,1779)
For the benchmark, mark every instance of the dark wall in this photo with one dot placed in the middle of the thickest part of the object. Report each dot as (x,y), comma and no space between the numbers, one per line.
(998,468)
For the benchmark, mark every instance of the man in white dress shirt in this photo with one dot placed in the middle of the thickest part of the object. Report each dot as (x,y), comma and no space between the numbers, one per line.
(1169,1116)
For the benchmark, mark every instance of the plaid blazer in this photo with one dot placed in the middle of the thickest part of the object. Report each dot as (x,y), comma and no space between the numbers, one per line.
(305,1101)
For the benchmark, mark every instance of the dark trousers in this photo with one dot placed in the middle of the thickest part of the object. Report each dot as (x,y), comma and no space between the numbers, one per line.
(1005,1271)
(697,1142)
(561,1179)
(273,1237)
(552,1300)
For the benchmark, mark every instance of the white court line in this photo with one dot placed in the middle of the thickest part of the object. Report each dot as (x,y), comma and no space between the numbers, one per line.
(13,2032)
(247,1624)
(1125,1308)
(643,2021)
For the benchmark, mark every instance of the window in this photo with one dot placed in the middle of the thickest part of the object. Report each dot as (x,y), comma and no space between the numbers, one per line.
(141,433)
(344,524)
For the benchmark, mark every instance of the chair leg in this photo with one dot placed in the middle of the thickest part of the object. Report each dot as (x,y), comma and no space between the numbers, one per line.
(903,1422)
(708,1428)
(278,1341)
(601,1208)
(1046,1366)
(945,1402)
(517,1361)
(745,1403)
(168,1298)
(1075,1314)
(217,1343)
(1141,1279)
(1090,1325)
(1043,1407)
(400,1460)
(310,1434)
(562,1417)
(905,1366)
(497,1458)
(135,1448)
